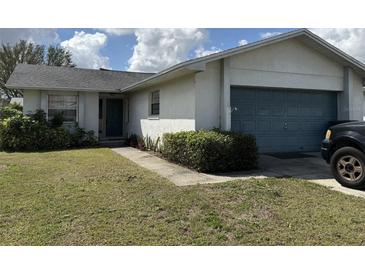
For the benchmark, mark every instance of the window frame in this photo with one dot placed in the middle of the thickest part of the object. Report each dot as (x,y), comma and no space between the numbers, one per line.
(64,95)
(151,103)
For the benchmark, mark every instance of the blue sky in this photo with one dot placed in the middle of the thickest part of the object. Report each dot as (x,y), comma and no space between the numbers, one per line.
(152,50)
(119,48)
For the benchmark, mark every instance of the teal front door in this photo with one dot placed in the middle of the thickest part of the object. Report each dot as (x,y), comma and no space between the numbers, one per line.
(114,117)
(283,120)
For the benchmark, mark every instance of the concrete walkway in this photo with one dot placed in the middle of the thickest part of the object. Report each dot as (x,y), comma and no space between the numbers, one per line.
(313,169)
(179,175)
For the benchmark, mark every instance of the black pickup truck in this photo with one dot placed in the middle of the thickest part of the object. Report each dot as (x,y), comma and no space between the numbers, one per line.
(344,149)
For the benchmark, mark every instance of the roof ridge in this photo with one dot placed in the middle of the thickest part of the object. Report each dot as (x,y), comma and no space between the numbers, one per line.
(88,69)
(44,77)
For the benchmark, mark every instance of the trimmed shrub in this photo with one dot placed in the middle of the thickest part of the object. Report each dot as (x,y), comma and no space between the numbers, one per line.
(31,133)
(9,111)
(82,138)
(211,151)
(22,133)
(39,116)
(57,120)
(16,106)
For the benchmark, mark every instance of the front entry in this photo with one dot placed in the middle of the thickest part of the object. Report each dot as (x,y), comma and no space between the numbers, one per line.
(114,118)
(110,118)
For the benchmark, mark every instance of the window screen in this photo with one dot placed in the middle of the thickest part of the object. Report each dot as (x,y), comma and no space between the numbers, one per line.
(66,105)
(155,103)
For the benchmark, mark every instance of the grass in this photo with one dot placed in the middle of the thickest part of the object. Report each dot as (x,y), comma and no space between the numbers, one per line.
(96,197)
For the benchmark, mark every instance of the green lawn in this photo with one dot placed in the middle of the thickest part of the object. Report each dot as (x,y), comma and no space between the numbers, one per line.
(96,197)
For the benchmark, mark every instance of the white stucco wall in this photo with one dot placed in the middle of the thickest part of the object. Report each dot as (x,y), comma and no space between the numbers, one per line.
(177,109)
(31,101)
(356,98)
(88,110)
(289,64)
(208,86)
(91,112)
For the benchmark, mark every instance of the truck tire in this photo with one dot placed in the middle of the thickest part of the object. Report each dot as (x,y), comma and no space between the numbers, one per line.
(348,167)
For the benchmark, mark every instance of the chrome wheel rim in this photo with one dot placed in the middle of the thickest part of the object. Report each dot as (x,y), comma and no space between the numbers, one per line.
(349,168)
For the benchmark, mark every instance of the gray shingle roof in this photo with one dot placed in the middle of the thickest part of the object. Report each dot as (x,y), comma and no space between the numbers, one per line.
(64,78)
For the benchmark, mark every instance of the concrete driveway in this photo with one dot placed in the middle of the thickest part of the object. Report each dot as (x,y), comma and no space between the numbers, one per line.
(308,166)
(313,169)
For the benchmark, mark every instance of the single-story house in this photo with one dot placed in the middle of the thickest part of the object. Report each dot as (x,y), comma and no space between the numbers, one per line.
(284,90)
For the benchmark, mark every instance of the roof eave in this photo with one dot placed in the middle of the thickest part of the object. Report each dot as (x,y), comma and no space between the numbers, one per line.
(62,89)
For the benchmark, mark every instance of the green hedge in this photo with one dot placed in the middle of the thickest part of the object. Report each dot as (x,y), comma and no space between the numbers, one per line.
(19,132)
(211,151)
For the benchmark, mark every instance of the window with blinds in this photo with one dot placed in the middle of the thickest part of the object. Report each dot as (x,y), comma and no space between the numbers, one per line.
(155,103)
(63,104)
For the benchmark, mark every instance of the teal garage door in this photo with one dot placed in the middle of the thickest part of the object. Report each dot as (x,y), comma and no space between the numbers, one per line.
(283,120)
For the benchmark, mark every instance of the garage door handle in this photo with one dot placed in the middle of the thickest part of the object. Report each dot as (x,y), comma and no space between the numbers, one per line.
(285,125)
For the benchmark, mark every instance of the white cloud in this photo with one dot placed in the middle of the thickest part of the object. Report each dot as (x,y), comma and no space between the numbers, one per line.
(117,31)
(242,42)
(269,34)
(39,36)
(200,52)
(157,49)
(351,41)
(85,49)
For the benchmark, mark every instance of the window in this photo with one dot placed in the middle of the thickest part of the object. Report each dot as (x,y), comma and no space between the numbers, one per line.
(155,103)
(66,105)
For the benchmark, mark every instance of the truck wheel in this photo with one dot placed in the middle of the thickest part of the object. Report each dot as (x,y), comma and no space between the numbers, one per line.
(348,167)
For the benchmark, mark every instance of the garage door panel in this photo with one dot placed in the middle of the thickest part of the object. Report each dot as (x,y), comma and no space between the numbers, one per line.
(242,109)
(248,126)
(236,126)
(293,104)
(293,125)
(263,125)
(270,109)
(283,120)
(277,125)
(312,126)
(293,110)
(249,96)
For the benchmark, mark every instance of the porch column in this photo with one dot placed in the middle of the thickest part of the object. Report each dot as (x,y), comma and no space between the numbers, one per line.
(81,109)
(350,101)
(225,105)
(44,102)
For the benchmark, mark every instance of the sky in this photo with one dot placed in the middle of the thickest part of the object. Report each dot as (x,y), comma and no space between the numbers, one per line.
(151,50)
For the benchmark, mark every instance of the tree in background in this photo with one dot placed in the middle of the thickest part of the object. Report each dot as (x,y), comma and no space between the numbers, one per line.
(28,53)
(57,56)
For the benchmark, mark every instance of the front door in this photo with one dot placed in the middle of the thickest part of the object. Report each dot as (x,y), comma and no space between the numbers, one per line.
(114,118)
